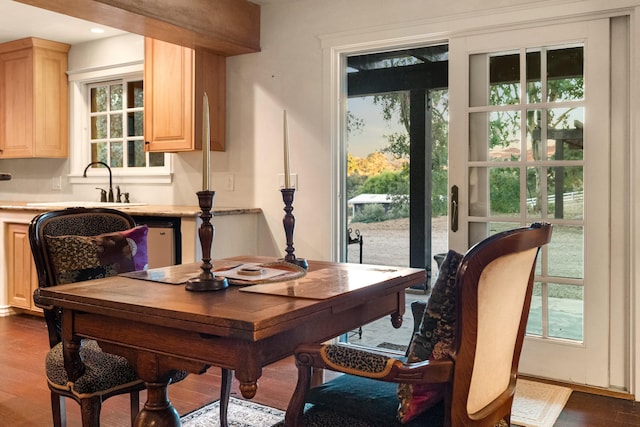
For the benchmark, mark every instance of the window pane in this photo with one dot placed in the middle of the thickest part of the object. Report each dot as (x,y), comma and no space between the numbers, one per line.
(504,135)
(135,94)
(565,71)
(117,160)
(479,231)
(494,136)
(565,129)
(98,99)
(135,154)
(504,184)
(135,123)
(98,127)
(504,79)
(535,193)
(116,97)
(99,153)
(566,309)
(116,125)
(566,257)
(534,324)
(156,159)
(566,192)
(534,134)
(534,84)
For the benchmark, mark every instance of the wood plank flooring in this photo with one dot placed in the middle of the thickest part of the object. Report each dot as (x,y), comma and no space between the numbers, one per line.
(24,395)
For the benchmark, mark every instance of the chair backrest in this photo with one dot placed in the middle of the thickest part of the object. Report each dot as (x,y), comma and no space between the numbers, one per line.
(494,286)
(67,222)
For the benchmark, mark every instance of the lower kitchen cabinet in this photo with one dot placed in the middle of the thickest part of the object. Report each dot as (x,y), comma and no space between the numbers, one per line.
(22,277)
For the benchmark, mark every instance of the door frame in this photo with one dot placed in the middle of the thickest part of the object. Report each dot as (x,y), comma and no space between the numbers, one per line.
(337,46)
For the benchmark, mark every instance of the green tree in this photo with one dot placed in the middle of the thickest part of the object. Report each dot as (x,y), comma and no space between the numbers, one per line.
(387,182)
(396,104)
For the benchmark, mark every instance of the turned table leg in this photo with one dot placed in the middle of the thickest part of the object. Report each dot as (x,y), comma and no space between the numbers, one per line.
(158,410)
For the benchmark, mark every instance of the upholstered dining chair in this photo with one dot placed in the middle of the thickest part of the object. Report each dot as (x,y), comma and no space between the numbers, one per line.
(77,244)
(462,362)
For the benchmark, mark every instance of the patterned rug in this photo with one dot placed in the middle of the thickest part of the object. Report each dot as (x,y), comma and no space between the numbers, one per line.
(241,413)
(535,405)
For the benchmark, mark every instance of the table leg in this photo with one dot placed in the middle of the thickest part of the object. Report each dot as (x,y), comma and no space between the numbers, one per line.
(158,410)
(225,391)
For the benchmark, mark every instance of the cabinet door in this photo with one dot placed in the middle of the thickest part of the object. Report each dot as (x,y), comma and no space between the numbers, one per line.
(175,80)
(34,99)
(168,97)
(16,104)
(21,270)
(51,102)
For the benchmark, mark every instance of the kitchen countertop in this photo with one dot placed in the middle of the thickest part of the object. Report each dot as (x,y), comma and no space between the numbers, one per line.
(152,210)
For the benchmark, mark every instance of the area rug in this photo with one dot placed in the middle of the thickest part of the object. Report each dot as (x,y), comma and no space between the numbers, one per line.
(535,405)
(241,413)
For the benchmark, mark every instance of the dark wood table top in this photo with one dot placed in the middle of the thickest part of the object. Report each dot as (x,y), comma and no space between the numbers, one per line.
(231,312)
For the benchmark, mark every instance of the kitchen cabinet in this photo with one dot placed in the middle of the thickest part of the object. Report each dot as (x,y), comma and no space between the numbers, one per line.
(21,270)
(33,99)
(175,80)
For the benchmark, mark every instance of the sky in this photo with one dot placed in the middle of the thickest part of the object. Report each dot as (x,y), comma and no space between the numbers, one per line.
(371,138)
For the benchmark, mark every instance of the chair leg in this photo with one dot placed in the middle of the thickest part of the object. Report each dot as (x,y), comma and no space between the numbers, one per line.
(225,392)
(58,410)
(90,410)
(295,411)
(135,405)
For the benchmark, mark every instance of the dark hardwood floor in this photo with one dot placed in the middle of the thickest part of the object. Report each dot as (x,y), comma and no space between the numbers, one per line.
(24,396)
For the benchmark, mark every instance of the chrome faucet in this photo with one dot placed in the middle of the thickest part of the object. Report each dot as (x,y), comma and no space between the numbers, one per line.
(110,197)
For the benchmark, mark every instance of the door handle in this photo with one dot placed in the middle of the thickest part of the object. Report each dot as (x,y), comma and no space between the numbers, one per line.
(454,208)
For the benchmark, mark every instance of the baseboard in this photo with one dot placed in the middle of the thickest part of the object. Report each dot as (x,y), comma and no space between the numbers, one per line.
(583,388)
(6,310)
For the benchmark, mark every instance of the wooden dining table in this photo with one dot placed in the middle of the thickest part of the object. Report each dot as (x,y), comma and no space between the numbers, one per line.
(160,327)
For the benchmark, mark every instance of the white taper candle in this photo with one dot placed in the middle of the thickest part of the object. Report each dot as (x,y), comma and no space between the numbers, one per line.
(286,151)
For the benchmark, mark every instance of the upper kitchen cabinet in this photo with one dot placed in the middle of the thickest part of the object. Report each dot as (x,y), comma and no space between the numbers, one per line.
(175,80)
(33,99)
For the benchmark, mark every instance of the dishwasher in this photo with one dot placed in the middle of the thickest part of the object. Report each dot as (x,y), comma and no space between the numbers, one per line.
(164,241)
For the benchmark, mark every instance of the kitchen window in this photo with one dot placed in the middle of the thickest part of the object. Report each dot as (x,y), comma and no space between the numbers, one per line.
(106,121)
(116,125)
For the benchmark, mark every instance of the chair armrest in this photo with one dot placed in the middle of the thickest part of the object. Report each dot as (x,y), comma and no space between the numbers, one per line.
(371,364)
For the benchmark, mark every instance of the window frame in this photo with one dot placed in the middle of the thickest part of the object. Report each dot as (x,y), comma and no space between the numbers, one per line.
(79,130)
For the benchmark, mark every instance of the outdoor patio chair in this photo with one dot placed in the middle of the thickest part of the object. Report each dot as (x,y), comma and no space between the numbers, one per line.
(462,362)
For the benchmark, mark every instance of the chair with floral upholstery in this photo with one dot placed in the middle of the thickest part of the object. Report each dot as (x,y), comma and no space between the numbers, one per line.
(462,362)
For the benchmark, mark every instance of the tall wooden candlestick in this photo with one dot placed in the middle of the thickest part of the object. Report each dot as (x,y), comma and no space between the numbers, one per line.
(206,281)
(289,223)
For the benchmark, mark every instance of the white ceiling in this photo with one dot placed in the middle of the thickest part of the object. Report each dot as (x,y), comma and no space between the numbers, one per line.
(18,20)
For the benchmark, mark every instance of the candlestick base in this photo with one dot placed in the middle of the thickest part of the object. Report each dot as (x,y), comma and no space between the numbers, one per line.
(198,284)
(300,262)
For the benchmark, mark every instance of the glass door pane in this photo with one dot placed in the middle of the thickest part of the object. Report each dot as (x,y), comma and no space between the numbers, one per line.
(396,181)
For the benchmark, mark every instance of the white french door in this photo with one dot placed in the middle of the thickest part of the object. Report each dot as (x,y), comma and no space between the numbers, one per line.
(535,104)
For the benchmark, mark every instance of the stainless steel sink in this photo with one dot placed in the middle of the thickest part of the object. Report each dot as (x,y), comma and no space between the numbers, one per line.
(84,204)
